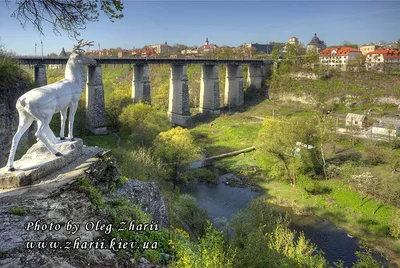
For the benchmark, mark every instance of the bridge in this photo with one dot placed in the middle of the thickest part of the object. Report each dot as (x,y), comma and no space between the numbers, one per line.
(178,107)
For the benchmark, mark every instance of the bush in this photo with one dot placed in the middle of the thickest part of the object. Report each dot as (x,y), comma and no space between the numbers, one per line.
(187,212)
(374,155)
(140,164)
(143,123)
(209,252)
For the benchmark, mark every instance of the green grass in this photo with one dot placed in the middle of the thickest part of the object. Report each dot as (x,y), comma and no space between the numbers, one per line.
(225,134)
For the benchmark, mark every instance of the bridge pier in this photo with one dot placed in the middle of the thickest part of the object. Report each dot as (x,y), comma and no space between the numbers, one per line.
(95,109)
(209,90)
(178,107)
(234,95)
(141,83)
(255,76)
(40,75)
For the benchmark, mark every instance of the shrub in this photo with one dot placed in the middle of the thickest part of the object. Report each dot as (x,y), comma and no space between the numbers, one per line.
(140,164)
(209,252)
(374,155)
(187,212)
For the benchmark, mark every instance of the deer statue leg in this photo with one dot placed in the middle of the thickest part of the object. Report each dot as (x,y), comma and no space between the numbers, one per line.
(63,114)
(25,121)
(50,135)
(41,135)
(72,110)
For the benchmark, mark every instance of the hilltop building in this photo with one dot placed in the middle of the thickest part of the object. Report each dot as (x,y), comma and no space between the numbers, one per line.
(200,50)
(207,46)
(265,48)
(365,49)
(293,40)
(162,49)
(63,53)
(316,44)
(383,60)
(339,57)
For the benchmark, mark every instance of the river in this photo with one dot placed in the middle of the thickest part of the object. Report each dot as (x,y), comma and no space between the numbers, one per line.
(221,200)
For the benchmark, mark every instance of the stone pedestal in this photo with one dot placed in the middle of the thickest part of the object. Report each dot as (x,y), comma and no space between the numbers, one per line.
(141,84)
(38,162)
(178,107)
(209,90)
(40,75)
(255,76)
(234,95)
(95,108)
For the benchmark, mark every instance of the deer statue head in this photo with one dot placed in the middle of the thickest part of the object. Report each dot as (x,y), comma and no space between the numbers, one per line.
(75,65)
(78,56)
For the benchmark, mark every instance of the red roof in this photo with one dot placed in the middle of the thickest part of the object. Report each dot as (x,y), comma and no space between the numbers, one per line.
(209,46)
(340,51)
(387,53)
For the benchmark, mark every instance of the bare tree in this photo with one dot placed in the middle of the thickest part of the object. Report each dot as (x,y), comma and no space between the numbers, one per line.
(66,15)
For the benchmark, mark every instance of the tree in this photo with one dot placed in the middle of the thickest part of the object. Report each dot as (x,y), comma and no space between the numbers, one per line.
(293,51)
(311,56)
(275,53)
(67,15)
(292,146)
(176,149)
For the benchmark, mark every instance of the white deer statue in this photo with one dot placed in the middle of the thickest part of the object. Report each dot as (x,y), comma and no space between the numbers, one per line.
(41,103)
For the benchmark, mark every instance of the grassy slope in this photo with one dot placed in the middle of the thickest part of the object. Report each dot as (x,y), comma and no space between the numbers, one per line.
(341,206)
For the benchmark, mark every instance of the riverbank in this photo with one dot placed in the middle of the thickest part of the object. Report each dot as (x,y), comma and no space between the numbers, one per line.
(339,204)
(333,199)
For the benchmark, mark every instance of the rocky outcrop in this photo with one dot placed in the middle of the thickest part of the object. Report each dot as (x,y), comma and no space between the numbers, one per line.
(39,162)
(148,195)
(58,219)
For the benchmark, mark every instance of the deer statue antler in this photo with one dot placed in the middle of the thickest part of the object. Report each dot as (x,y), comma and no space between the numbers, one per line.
(78,47)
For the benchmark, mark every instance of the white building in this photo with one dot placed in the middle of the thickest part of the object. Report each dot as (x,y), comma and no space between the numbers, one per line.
(383,60)
(339,57)
(387,127)
(356,120)
(162,49)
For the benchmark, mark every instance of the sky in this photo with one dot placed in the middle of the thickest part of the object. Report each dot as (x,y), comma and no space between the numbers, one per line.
(224,22)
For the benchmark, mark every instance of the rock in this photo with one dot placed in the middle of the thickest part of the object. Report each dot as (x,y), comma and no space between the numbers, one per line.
(38,162)
(103,172)
(58,199)
(147,195)
(231,180)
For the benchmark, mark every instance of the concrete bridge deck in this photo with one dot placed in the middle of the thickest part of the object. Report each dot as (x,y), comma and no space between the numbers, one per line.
(32,60)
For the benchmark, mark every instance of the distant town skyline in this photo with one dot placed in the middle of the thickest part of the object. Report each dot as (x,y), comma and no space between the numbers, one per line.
(229,23)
